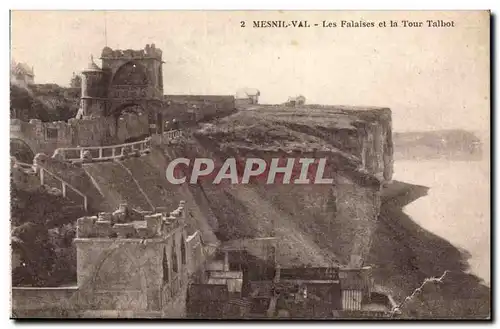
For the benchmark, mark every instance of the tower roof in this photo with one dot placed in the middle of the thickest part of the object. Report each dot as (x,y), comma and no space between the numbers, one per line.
(92,66)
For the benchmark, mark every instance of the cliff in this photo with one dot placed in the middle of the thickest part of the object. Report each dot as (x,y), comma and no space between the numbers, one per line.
(358,137)
(318,224)
(452,145)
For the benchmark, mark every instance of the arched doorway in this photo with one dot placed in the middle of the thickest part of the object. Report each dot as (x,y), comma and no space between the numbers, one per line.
(21,151)
(132,123)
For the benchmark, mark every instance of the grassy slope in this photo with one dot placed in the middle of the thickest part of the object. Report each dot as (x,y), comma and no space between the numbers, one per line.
(148,173)
(47,261)
(116,184)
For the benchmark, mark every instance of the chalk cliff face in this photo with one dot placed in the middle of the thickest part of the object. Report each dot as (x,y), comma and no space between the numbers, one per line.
(319,224)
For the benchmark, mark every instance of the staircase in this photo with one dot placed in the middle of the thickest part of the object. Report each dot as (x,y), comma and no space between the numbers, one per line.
(52,180)
(43,173)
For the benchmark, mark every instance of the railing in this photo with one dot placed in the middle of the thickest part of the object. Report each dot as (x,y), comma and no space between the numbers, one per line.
(24,166)
(102,153)
(64,185)
(111,152)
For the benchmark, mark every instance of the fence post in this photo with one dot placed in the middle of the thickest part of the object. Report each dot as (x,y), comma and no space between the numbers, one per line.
(100,152)
(85,203)
(63,189)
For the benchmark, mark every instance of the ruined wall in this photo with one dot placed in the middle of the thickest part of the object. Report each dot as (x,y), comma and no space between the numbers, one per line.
(143,272)
(41,136)
(142,269)
(23,177)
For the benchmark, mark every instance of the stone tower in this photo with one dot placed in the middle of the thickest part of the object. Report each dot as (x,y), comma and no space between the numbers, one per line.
(93,99)
(136,76)
(132,264)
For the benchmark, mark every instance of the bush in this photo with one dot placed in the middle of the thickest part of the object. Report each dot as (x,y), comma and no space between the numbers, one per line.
(42,236)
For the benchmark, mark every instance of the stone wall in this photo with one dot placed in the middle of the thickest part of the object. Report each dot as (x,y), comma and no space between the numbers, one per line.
(143,272)
(42,302)
(46,137)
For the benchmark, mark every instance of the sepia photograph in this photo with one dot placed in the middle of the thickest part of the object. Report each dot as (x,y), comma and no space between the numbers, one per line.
(249,165)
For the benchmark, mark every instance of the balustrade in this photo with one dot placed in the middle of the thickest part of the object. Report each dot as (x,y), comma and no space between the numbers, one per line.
(103,153)
(111,152)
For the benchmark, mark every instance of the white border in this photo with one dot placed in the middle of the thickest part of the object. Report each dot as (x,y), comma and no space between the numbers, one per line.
(185,4)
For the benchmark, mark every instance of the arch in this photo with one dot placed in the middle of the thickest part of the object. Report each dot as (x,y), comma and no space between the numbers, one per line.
(131,74)
(21,150)
(108,261)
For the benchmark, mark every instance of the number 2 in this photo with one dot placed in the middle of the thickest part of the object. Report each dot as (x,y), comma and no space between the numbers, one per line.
(242,23)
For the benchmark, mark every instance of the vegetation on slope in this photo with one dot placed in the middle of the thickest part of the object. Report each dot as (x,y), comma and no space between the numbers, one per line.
(46,102)
(43,228)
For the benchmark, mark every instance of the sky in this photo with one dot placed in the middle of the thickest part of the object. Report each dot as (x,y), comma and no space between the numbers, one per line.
(431,78)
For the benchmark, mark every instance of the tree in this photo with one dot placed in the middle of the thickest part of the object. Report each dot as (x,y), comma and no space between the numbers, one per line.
(76,81)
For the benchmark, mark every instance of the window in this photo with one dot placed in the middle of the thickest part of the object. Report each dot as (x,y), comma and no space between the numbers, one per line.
(51,133)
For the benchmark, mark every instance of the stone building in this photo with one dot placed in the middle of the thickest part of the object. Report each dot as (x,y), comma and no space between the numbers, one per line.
(128,81)
(249,96)
(129,264)
(121,101)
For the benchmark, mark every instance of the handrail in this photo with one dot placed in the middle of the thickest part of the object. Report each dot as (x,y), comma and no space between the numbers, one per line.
(24,165)
(104,147)
(143,146)
(64,184)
